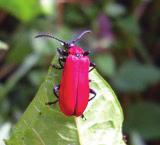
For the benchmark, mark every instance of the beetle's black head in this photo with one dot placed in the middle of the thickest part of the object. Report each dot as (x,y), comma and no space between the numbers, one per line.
(65,44)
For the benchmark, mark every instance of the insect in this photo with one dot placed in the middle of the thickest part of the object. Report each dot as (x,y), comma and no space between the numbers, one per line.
(74,88)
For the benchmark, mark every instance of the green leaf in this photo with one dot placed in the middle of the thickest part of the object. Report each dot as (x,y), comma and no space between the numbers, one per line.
(144,118)
(23,10)
(46,125)
(133,76)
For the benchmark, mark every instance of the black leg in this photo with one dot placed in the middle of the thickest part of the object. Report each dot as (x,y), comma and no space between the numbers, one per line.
(125,138)
(93,65)
(62,52)
(61,58)
(83,117)
(56,88)
(86,53)
(92,92)
(50,103)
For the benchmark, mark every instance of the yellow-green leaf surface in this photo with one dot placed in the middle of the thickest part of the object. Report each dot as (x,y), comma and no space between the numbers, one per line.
(47,125)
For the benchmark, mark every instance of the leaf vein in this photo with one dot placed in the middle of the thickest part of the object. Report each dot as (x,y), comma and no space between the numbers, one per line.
(38,136)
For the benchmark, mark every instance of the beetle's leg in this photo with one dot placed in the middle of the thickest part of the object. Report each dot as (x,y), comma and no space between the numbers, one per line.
(86,53)
(62,52)
(83,117)
(93,65)
(92,92)
(91,81)
(50,103)
(61,58)
(56,88)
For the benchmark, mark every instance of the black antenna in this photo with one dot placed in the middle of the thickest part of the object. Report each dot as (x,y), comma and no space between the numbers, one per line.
(76,39)
(51,36)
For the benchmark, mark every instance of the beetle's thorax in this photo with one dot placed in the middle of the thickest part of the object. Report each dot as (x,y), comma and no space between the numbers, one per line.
(75,50)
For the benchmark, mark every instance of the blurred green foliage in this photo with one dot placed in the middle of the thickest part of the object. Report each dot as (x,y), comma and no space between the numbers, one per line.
(135,77)
(144,118)
(25,11)
(124,44)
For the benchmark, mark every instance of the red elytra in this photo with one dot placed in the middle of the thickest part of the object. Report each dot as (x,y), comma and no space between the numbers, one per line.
(74,88)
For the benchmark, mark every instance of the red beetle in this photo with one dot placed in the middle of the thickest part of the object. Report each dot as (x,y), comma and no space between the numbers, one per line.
(74,88)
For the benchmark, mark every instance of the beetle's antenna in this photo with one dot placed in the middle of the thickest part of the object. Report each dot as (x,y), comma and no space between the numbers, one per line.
(76,39)
(51,36)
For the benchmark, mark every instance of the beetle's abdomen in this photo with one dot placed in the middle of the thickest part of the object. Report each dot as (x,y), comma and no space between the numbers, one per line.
(74,88)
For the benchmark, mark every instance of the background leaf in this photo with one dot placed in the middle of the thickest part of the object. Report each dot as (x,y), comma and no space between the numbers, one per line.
(133,76)
(41,124)
(25,11)
(144,118)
